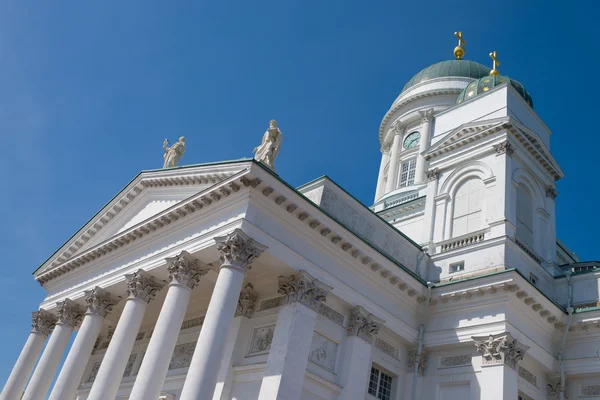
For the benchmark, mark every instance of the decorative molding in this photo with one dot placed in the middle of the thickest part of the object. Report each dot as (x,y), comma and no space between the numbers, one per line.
(304,289)
(323,351)
(456,361)
(501,348)
(182,355)
(385,148)
(271,303)
(331,314)
(551,192)
(422,358)
(69,313)
(386,348)
(43,322)
(555,387)
(433,174)
(185,270)
(261,340)
(528,376)
(504,148)
(246,301)
(238,249)
(99,301)
(129,366)
(590,390)
(94,371)
(191,323)
(364,324)
(142,286)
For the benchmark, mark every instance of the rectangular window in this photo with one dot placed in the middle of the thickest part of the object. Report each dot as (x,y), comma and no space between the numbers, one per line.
(380,384)
(407,173)
(457,266)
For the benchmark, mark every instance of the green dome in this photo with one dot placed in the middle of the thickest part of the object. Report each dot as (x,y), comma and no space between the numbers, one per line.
(489,82)
(464,68)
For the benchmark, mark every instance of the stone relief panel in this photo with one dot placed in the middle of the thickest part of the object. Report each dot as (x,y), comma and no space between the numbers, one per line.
(129,366)
(386,348)
(455,361)
(528,376)
(271,303)
(190,323)
(92,376)
(182,355)
(331,315)
(261,340)
(323,351)
(590,390)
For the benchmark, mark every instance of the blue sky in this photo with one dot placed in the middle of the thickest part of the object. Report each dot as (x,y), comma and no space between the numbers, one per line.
(89,90)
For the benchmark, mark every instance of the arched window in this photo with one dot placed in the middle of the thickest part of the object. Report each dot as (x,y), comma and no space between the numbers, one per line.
(524,215)
(468,203)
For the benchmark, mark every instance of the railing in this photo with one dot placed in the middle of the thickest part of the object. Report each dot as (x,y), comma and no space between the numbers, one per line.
(462,241)
(528,250)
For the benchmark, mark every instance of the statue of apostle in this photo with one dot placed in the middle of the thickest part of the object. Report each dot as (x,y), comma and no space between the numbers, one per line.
(269,148)
(173,153)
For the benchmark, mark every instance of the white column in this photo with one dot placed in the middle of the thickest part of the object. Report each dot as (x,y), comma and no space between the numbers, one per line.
(69,315)
(393,170)
(237,253)
(184,274)
(429,217)
(141,289)
(42,323)
(421,168)
(501,354)
(244,310)
(286,365)
(356,369)
(385,158)
(99,304)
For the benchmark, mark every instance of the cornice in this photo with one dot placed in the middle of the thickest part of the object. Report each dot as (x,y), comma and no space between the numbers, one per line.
(204,199)
(184,176)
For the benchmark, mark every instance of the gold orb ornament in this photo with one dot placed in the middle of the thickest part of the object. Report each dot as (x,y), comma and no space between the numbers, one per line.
(459,51)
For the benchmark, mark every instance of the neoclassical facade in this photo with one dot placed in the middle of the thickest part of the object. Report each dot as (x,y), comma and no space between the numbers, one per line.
(221,281)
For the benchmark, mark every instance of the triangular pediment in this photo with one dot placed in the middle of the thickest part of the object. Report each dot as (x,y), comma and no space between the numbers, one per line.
(148,194)
(474,131)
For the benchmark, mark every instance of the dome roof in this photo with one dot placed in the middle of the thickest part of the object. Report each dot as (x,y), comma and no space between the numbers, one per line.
(464,68)
(484,84)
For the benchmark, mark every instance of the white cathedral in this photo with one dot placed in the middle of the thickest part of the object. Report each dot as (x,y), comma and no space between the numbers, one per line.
(221,281)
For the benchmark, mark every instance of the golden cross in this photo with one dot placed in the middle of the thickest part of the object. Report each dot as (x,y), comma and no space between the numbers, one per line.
(459,35)
(494,56)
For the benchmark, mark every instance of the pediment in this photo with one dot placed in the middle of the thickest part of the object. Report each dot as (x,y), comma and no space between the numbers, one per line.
(148,194)
(474,131)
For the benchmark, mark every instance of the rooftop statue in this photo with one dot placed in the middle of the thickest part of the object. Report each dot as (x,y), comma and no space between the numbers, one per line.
(173,154)
(269,148)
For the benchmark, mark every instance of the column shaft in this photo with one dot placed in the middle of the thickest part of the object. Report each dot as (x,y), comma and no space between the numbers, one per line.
(286,365)
(499,382)
(393,170)
(356,369)
(23,367)
(202,375)
(77,359)
(385,158)
(421,167)
(155,366)
(48,364)
(225,377)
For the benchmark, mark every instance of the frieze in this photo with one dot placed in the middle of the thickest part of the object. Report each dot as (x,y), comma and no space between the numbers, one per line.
(528,376)
(386,348)
(590,390)
(95,368)
(455,361)
(129,366)
(331,315)
(271,303)
(191,323)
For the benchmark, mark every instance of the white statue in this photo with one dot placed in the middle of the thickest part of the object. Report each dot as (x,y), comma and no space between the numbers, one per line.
(269,148)
(173,153)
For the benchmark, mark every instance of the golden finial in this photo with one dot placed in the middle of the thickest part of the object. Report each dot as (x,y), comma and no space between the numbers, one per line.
(494,56)
(459,51)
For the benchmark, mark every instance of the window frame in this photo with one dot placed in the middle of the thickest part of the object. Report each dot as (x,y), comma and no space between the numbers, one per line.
(380,391)
(411,169)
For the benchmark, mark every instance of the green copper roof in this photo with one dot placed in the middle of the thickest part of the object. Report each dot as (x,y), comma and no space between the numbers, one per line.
(489,82)
(464,68)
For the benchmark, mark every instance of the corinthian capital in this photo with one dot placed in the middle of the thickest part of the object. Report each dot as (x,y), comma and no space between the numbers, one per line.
(141,285)
(414,356)
(238,249)
(501,348)
(504,148)
(304,289)
(386,147)
(43,322)
(246,301)
(69,313)
(364,324)
(99,302)
(426,115)
(185,270)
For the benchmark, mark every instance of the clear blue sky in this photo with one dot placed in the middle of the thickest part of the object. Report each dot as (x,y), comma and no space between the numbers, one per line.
(89,90)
